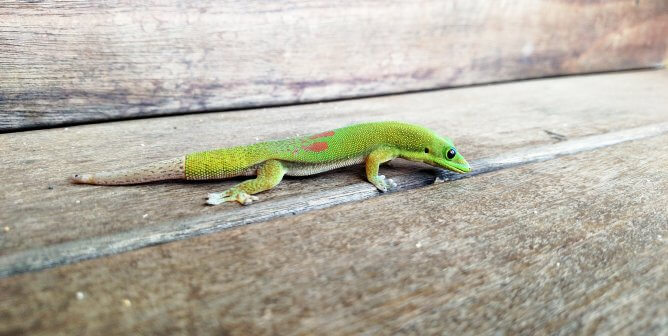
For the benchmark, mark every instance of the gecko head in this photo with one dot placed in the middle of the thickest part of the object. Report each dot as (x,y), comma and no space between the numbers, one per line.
(445,155)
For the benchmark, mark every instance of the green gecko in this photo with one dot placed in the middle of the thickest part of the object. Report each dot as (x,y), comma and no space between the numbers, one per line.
(373,143)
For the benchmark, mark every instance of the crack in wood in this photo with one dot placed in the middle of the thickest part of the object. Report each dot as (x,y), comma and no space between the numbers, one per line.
(75,251)
(556,136)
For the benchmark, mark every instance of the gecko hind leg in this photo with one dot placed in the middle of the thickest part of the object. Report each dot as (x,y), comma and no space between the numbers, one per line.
(269,174)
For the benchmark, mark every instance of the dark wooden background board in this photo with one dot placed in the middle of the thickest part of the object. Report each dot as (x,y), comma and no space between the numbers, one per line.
(517,115)
(574,245)
(81,61)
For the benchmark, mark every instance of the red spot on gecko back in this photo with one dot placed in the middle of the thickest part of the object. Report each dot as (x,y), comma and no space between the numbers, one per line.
(322,135)
(316,147)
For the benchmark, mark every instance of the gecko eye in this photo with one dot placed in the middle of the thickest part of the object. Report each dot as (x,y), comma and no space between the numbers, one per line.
(451,154)
(426,150)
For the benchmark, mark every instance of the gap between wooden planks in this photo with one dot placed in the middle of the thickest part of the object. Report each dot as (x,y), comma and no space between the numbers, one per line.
(71,252)
(40,208)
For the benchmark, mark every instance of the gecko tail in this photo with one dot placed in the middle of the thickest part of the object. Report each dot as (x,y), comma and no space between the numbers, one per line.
(173,169)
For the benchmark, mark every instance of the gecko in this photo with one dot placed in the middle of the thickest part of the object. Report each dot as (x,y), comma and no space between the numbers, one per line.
(372,143)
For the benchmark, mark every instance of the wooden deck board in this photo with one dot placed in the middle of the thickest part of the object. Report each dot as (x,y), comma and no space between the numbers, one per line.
(575,244)
(82,249)
(77,61)
(516,115)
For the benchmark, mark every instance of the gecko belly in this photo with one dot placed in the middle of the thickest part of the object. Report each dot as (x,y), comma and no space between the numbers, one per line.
(305,169)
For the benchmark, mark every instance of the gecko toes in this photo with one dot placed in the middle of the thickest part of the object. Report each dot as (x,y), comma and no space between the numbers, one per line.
(247,199)
(215,199)
(231,195)
(383,184)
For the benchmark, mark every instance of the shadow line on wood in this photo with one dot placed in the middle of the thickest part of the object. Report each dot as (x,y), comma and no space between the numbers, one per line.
(75,251)
(71,123)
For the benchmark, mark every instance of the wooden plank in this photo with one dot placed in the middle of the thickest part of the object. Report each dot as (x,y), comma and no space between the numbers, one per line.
(61,254)
(516,115)
(79,61)
(572,245)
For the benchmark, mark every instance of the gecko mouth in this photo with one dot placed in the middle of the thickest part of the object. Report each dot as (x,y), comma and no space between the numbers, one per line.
(461,168)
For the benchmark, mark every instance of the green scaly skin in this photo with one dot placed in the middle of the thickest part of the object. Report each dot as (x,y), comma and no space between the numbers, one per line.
(373,143)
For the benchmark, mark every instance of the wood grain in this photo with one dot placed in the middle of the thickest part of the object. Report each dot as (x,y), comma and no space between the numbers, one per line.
(60,254)
(574,245)
(81,61)
(515,115)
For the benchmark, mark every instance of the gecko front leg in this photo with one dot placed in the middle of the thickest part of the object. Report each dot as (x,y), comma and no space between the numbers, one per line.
(373,162)
(269,174)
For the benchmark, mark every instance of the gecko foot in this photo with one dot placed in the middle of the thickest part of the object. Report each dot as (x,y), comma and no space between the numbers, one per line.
(231,195)
(383,184)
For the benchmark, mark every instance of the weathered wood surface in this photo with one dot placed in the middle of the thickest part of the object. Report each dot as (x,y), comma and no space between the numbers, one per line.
(516,115)
(572,245)
(80,61)
(60,254)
